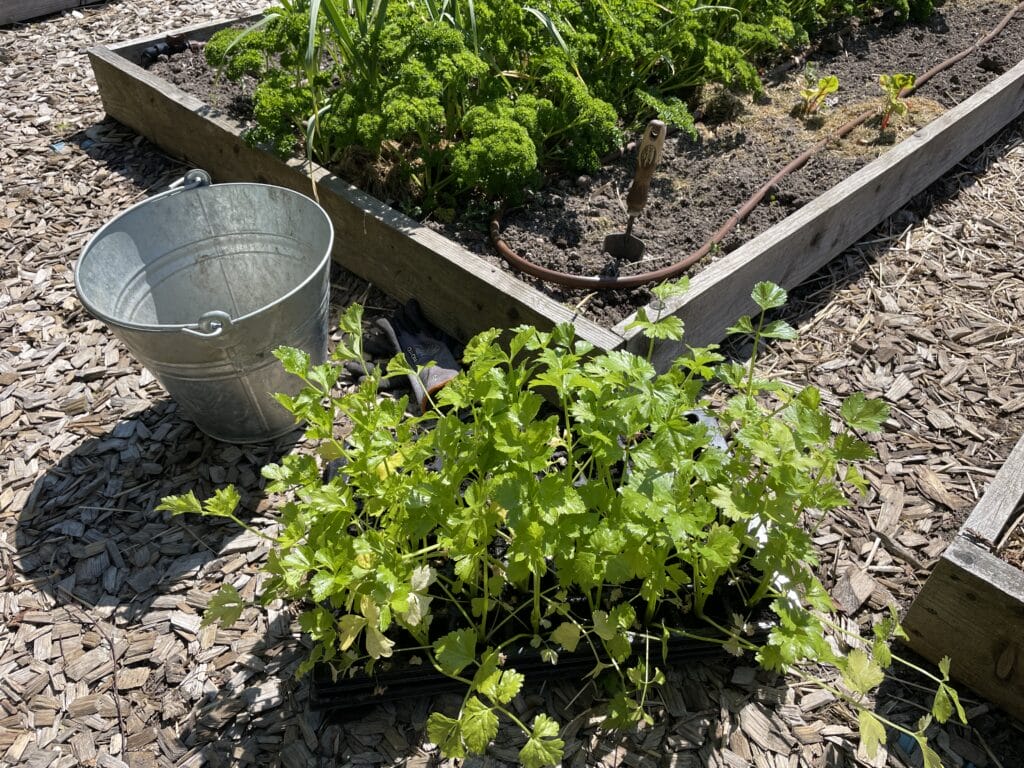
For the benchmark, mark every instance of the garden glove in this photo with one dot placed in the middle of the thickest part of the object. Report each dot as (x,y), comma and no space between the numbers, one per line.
(421,343)
(172,44)
(376,347)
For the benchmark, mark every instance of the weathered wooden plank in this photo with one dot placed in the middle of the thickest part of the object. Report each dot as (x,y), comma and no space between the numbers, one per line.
(796,247)
(12,11)
(458,291)
(1000,500)
(971,610)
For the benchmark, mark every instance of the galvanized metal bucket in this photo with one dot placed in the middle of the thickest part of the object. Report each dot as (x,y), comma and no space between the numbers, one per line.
(202,283)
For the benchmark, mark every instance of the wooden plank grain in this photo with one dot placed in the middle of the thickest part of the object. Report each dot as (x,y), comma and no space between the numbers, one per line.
(796,247)
(459,291)
(12,11)
(1000,500)
(971,610)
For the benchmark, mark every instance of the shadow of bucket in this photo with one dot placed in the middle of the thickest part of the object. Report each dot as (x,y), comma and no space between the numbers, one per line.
(202,283)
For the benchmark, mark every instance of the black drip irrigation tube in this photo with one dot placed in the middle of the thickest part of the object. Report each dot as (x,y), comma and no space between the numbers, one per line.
(608,282)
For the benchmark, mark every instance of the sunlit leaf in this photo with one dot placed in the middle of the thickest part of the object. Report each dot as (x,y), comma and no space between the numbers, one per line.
(543,747)
(479,725)
(446,733)
(567,635)
(779,329)
(225,607)
(860,673)
(456,650)
(872,732)
(180,505)
(942,707)
(768,295)
(861,413)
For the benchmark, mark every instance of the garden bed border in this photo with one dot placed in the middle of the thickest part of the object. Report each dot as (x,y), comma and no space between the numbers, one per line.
(972,606)
(14,11)
(464,294)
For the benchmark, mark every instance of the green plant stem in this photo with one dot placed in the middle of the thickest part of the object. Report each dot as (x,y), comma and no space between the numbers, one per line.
(745,644)
(419,553)
(487,597)
(238,521)
(455,602)
(846,697)
(753,354)
(535,614)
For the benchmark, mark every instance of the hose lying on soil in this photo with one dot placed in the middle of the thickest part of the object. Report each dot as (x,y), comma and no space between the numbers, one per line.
(613,282)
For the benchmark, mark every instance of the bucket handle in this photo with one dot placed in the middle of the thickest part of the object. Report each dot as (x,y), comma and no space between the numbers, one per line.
(214,323)
(210,325)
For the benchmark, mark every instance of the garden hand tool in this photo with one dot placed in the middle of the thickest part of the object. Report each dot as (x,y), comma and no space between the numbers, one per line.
(422,344)
(625,245)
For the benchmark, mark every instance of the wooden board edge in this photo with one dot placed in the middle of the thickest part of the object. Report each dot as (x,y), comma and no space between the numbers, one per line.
(131,49)
(981,562)
(15,11)
(1001,499)
(728,281)
(971,609)
(111,65)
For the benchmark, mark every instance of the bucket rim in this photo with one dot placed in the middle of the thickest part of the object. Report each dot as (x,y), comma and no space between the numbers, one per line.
(180,327)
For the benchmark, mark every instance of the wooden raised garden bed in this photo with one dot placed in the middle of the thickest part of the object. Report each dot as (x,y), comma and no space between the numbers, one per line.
(12,11)
(972,606)
(464,294)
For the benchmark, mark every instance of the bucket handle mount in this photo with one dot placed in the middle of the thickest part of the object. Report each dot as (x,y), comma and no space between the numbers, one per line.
(210,325)
(196,177)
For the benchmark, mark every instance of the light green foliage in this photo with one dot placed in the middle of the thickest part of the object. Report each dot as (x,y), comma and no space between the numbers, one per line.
(497,155)
(551,469)
(813,94)
(237,53)
(225,607)
(872,732)
(277,107)
(861,673)
(584,124)
(271,44)
(561,498)
(893,86)
(543,747)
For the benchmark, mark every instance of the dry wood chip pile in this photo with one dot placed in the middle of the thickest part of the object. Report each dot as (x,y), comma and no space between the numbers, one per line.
(103,660)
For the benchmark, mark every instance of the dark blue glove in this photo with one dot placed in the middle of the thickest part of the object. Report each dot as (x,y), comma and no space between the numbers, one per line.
(426,348)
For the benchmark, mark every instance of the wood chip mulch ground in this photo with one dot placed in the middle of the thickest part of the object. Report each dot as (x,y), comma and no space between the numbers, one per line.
(103,661)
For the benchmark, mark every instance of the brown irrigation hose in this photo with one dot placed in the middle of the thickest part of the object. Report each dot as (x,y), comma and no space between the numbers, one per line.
(675,269)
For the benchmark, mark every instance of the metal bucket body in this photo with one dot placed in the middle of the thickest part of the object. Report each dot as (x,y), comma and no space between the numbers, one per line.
(202,283)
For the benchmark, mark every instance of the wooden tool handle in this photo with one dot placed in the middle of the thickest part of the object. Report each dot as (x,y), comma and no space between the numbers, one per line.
(647,156)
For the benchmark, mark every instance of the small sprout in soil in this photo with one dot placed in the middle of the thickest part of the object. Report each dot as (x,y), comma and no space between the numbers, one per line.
(894,86)
(814,94)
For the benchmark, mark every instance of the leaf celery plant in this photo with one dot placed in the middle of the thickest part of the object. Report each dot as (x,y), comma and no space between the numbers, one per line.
(569,500)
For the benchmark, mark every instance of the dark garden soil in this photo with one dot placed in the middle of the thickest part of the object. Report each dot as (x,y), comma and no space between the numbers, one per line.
(741,142)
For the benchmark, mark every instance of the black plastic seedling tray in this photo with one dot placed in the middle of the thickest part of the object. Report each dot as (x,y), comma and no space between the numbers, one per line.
(415,680)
